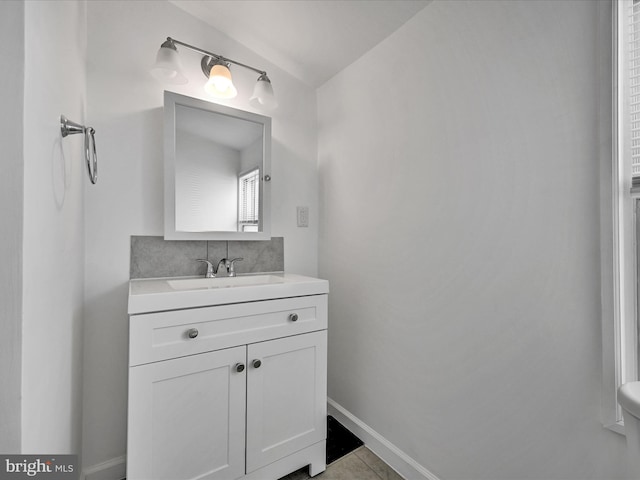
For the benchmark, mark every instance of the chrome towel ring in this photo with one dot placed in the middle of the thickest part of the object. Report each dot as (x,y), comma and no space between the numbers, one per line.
(68,127)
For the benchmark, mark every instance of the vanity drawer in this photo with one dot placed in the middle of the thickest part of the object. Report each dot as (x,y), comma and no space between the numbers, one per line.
(177,333)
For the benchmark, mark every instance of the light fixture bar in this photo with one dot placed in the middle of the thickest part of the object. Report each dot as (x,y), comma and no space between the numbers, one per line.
(168,69)
(215,55)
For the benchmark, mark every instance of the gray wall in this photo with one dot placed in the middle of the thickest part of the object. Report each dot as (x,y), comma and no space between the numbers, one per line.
(459,164)
(156,257)
(11,178)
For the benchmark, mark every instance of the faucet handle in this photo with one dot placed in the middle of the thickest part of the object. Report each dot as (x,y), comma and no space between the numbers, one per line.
(231,266)
(210,273)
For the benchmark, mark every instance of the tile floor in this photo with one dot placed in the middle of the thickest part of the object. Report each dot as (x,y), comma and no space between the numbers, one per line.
(361,464)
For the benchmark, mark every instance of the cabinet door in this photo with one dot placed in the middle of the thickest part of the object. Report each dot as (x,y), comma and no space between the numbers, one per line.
(286,397)
(187,417)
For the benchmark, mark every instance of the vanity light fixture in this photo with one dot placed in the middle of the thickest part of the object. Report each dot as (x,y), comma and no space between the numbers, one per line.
(168,69)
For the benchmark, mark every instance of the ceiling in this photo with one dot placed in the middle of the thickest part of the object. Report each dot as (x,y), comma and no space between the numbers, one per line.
(310,39)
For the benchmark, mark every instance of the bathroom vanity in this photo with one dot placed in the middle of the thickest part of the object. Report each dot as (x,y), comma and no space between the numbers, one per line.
(227,377)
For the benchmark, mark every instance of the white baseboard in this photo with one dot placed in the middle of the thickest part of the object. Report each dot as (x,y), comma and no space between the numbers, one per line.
(112,469)
(116,468)
(387,451)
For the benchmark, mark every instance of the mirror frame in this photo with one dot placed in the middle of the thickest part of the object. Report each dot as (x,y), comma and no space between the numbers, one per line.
(171,100)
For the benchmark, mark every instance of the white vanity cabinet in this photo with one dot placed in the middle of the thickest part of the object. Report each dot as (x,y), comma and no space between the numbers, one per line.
(228,391)
(186,417)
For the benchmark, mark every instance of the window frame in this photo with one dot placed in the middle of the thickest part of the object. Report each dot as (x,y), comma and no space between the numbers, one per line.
(242,222)
(619,248)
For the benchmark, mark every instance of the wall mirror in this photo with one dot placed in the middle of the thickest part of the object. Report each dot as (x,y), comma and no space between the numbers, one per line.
(216,171)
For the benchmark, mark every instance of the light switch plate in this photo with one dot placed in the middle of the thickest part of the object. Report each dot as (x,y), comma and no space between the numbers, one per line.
(303,216)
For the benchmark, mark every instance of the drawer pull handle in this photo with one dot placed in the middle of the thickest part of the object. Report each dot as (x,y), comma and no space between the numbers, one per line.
(192,332)
(293,317)
(239,367)
(256,363)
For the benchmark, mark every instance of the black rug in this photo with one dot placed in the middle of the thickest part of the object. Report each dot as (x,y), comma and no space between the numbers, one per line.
(340,441)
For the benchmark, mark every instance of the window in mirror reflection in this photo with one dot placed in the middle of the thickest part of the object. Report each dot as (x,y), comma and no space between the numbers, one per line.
(248,201)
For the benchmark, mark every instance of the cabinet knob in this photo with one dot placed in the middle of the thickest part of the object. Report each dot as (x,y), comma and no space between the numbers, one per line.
(192,332)
(256,363)
(293,317)
(239,367)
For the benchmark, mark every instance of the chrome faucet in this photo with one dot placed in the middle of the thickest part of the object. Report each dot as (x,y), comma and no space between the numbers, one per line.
(228,267)
(225,268)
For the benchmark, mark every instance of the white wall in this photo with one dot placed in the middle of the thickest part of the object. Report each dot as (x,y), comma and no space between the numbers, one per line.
(251,156)
(459,176)
(206,184)
(125,107)
(11,180)
(53,242)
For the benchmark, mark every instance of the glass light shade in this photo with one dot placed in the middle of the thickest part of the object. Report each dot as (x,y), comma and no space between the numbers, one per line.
(168,68)
(220,76)
(263,95)
(219,84)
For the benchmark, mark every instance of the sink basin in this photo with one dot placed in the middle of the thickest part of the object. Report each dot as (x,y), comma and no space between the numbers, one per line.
(223,282)
(162,294)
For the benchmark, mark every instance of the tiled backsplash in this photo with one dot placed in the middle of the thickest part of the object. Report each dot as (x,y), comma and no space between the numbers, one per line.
(157,257)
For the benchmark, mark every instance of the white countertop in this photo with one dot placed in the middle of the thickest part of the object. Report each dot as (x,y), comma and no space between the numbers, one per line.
(160,294)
